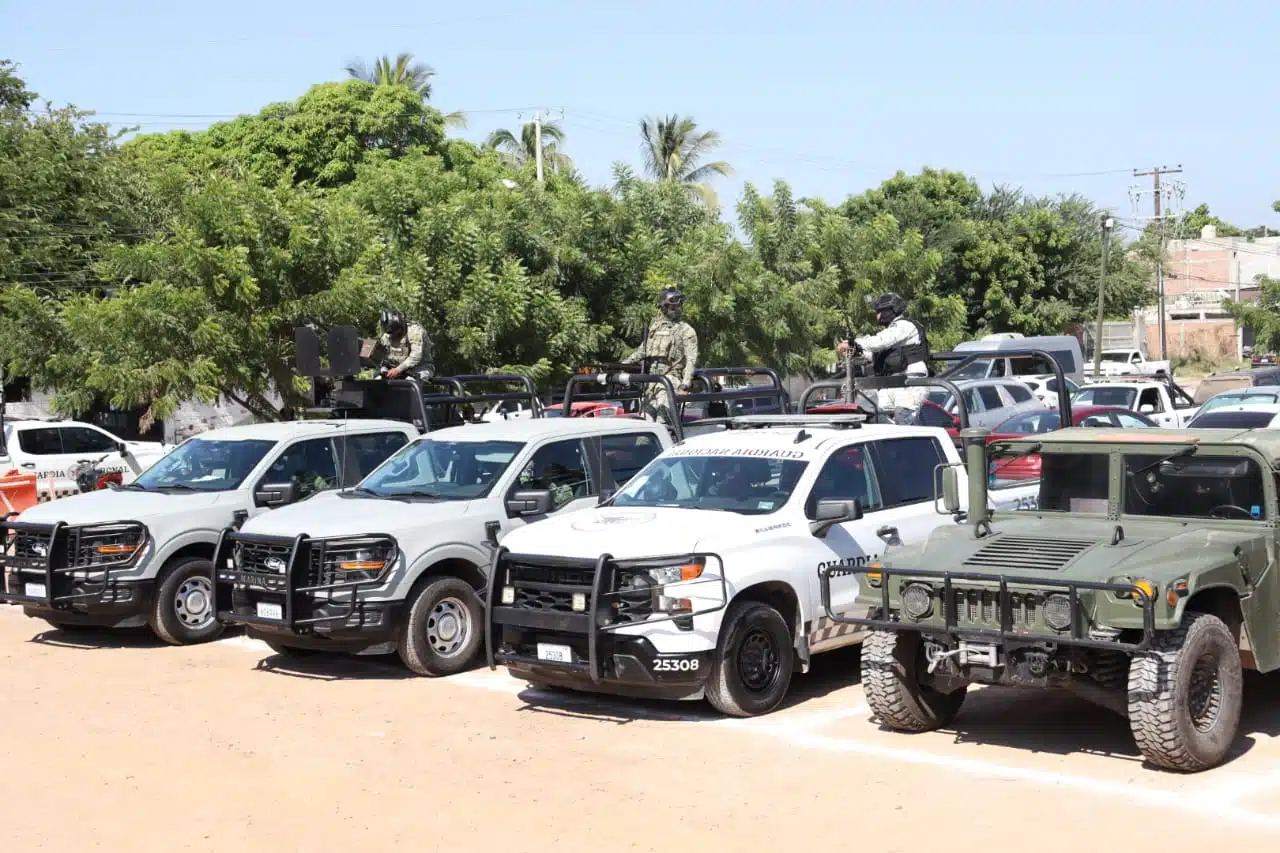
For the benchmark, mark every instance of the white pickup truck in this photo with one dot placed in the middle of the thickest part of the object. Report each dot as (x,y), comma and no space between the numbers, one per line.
(1162,399)
(141,554)
(701,576)
(399,563)
(1127,362)
(52,450)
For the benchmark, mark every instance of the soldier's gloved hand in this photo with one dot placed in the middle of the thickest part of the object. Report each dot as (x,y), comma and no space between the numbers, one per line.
(393,373)
(843,347)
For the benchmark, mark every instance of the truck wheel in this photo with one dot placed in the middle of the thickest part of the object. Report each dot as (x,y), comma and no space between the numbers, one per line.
(443,633)
(891,663)
(1185,694)
(753,663)
(290,651)
(182,613)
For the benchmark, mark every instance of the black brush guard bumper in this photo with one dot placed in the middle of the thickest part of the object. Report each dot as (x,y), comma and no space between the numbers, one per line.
(593,622)
(1006,632)
(295,588)
(58,569)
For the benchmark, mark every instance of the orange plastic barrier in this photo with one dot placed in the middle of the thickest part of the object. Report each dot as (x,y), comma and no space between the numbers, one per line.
(17,491)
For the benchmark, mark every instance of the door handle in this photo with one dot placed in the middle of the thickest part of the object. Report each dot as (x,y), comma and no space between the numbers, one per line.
(887,532)
(28,464)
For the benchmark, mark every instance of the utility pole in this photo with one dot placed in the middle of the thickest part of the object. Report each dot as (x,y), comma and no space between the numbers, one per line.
(1155,173)
(1107,224)
(537,142)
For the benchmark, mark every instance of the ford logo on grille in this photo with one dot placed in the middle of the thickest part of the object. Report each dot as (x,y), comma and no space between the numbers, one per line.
(40,549)
(275,564)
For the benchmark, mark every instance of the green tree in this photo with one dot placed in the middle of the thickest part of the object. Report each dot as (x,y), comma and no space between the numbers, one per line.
(674,150)
(522,150)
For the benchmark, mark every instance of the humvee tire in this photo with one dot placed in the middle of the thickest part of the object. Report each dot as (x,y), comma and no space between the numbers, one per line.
(891,664)
(1185,695)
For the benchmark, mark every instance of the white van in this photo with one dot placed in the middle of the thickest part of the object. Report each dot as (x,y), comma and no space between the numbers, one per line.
(1065,350)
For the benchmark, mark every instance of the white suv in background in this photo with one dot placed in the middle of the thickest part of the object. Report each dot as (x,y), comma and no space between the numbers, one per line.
(1045,388)
(51,449)
(988,401)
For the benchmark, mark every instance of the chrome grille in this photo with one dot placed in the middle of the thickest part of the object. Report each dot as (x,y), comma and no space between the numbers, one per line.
(1029,552)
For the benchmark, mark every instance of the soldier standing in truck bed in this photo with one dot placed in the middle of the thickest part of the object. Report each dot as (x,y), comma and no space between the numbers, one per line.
(670,349)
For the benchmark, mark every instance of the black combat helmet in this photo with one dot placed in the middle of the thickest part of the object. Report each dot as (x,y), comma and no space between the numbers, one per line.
(889,307)
(392,322)
(671,301)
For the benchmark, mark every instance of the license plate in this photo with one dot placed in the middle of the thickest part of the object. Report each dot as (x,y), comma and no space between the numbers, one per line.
(558,654)
(267,610)
(36,590)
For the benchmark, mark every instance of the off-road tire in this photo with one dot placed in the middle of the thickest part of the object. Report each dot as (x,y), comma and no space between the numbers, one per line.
(1161,695)
(891,682)
(417,652)
(761,626)
(290,651)
(164,619)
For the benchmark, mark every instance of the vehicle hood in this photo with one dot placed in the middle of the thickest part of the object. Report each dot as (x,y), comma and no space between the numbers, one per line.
(117,505)
(632,532)
(1071,549)
(338,514)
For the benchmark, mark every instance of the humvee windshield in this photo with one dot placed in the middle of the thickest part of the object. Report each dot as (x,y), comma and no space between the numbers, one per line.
(1199,486)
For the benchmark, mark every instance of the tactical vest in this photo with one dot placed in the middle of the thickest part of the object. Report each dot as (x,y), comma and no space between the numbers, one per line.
(894,361)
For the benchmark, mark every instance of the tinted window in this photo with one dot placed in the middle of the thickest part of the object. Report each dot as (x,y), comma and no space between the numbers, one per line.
(1018,393)
(905,469)
(309,465)
(560,467)
(847,475)
(1150,397)
(1121,397)
(360,454)
(40,442)
(1194,487)
(990,397)
(1074,482)
(211,466)
(627,454)
(1232,420)
(85,440)
(1229,399)
(444,470)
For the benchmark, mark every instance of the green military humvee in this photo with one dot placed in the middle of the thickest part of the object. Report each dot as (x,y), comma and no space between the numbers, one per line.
(1144,581)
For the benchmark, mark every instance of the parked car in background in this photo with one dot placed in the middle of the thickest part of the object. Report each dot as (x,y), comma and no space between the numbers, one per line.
(988,401)
(1239,416)
(52,451)
(1241,396)
(1027,466)
(1045,388)
(1127,362)
(1160,397)
(1259,359)
(1065,350)
(1216,383)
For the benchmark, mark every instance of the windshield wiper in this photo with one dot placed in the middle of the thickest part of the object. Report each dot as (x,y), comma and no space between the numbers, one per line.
(361,490)
(415,493)
(1186,451)
(178,487)
(133,487)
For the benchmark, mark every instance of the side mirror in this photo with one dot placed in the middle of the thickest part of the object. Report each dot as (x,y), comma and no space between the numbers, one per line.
(275,494)
(951,489)
(122,448)
(530,502)
(1147,409)
(831,512)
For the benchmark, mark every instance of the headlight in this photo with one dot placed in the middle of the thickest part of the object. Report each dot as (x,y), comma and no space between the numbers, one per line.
(1057,612)
(366,563)
(676,574)
(917,600)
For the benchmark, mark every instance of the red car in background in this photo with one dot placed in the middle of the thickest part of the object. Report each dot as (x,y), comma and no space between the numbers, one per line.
(1027,466)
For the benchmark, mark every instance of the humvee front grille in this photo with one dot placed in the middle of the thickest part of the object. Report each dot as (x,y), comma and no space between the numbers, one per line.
(1029,552)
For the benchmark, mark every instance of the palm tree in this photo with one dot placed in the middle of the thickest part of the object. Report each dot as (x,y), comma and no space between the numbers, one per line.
(402,71)
(673,149)
(524,149)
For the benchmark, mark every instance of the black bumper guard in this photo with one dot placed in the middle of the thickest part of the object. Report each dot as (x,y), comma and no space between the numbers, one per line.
(589,622)
(1005,632)
(51,568)
(303,549)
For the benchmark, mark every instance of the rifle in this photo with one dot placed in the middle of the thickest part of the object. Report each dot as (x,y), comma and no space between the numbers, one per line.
(852,370)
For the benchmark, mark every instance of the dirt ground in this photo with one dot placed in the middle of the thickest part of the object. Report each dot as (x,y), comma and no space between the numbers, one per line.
(116,742)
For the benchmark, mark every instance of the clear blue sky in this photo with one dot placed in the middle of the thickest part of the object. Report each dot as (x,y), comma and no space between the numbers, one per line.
(832,96)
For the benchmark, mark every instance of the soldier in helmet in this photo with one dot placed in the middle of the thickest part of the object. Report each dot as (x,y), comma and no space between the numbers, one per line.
(901,348)
(407,348)
(670,348)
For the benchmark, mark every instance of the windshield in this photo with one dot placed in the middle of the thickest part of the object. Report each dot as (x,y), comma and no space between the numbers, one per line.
(1115,356)
(1229,399)
(1194,487)
(449,470)
(1232,420)
(745,485)
(1104,396)
(1031,422)
(205,465)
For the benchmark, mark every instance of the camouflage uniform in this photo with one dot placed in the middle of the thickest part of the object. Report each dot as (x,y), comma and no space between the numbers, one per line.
(672,351)
(410,353)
